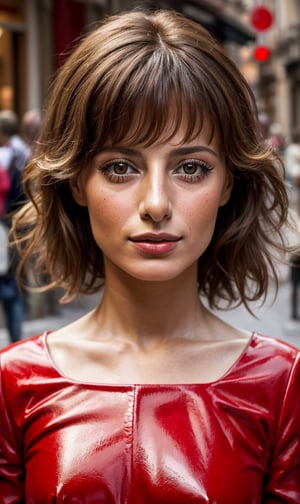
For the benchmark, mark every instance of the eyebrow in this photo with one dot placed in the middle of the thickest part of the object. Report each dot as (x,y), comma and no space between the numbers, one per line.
(180,151)
(194,148)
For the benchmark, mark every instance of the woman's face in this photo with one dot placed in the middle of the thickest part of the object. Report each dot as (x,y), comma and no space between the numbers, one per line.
(153,209)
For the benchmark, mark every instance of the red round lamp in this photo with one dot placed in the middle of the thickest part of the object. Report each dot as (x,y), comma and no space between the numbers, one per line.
(262,53)
(261,18)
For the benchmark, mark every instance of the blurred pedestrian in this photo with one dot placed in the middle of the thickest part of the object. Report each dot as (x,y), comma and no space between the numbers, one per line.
(276,137)
(292,164)
(12,161)
(30,127)
(264,124)
(292,161)
(11,143)
(151,175)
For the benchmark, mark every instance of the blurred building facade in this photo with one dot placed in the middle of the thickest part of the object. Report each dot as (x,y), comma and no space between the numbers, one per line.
(36,35)
(279,77)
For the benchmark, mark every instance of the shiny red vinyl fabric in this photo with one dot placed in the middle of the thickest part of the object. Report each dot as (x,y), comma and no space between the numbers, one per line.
(232,441)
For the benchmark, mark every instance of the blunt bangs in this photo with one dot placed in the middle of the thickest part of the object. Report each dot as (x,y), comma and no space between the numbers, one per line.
(152,102)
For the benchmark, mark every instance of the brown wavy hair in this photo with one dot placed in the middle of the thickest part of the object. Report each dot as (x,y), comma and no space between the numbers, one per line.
(122,81)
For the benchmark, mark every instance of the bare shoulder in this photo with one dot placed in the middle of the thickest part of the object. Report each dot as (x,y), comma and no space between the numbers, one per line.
(77,329)
(68,345)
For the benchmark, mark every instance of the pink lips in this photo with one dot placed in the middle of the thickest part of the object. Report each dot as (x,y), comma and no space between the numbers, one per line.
(155,243)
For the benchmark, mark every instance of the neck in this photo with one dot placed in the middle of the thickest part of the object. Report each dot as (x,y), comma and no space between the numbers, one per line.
(151,311)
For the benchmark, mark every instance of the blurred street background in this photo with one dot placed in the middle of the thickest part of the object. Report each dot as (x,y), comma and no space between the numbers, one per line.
(261,36)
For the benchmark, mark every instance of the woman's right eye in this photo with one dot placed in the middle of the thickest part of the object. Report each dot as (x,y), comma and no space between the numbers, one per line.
(118,171)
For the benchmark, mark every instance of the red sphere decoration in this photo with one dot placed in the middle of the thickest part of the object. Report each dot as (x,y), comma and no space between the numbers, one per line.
(261,18)
(262,53)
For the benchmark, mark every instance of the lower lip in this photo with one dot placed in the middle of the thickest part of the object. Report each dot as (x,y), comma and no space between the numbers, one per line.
(156,248)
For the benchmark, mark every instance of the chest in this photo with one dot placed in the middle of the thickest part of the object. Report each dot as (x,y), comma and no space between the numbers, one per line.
(133,445)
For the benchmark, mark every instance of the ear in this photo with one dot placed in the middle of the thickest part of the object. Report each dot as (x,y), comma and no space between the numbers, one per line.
(227,189)
(78,192)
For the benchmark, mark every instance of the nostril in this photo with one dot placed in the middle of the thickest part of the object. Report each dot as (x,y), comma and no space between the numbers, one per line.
(156,210)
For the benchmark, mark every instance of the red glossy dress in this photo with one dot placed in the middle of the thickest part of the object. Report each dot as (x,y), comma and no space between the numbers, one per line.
(232,441)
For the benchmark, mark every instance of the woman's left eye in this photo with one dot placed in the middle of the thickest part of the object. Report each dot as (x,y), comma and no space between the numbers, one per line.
(193,170)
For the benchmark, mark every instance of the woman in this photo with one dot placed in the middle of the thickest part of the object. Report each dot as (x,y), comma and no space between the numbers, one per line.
(151,174)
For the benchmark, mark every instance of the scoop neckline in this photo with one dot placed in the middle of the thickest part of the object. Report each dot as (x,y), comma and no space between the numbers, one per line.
(118,385)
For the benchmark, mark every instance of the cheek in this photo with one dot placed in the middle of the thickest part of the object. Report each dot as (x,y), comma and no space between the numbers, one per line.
(106,210)
(201,221)
(203,209)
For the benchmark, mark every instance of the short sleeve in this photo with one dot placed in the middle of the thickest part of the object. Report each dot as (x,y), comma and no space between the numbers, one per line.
(11,469)
(283,483)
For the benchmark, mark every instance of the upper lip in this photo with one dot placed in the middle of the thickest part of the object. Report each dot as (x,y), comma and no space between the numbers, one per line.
(155,237)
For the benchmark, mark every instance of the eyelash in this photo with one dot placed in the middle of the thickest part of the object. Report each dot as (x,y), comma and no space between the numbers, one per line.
(107,168)
(205,169)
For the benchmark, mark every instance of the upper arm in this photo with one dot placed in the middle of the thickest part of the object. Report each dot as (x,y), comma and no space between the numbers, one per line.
(283,483)
(11,467)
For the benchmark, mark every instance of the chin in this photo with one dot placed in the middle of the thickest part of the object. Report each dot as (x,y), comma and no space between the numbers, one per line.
(149,274)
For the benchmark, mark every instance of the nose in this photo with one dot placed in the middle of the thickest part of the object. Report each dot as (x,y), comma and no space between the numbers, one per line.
(155,201)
